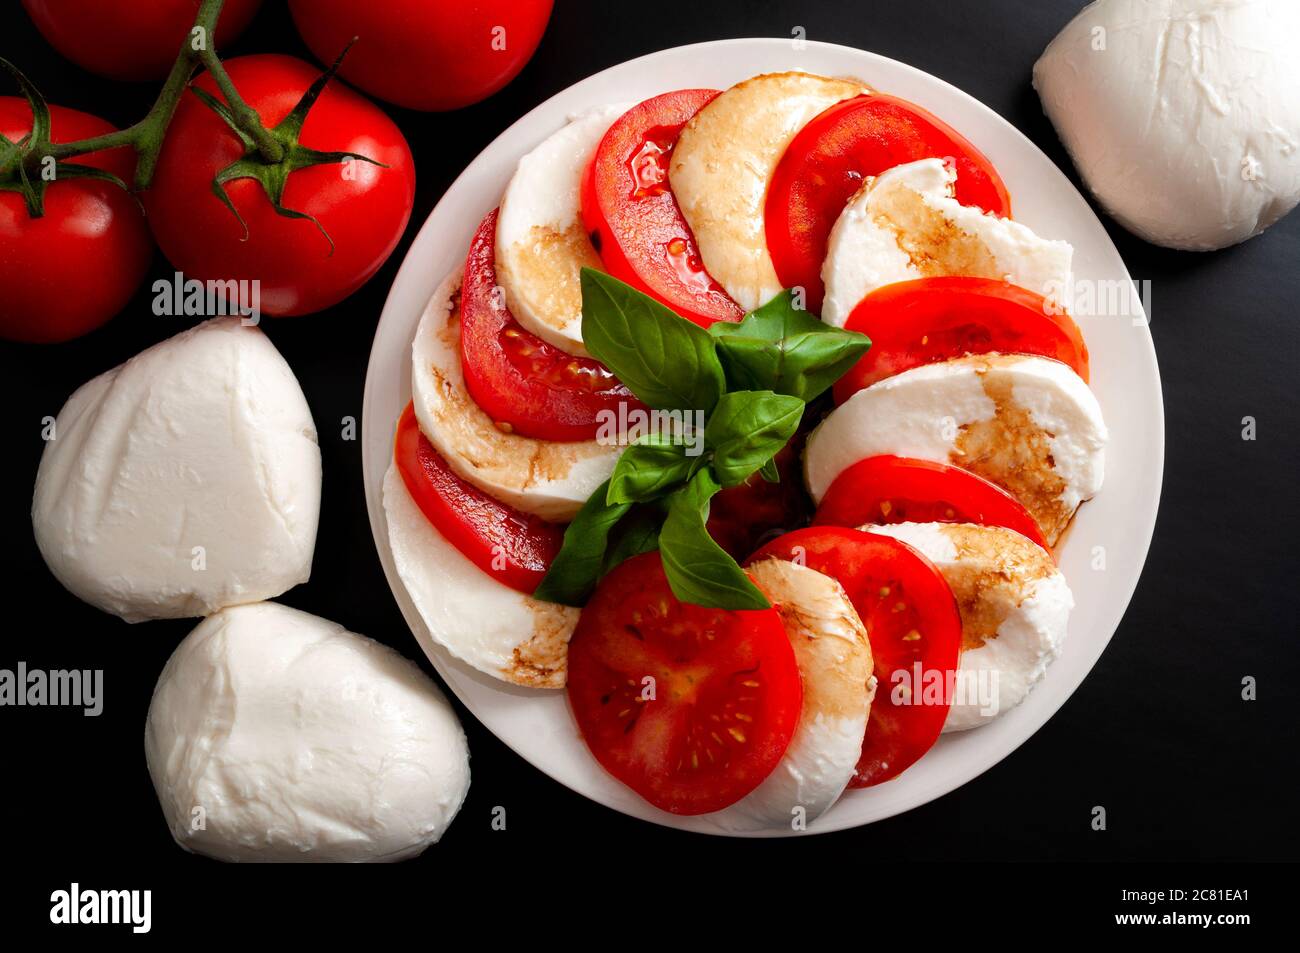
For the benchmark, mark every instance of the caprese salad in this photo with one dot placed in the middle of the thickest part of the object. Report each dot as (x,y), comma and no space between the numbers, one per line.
(751,421)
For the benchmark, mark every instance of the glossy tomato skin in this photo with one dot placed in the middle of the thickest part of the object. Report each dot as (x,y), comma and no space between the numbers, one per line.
(911,619)
(363,207)
(68,272)
(512,547)
(888,489)
(130,39)
(523,383)
(635,222)
(926,320)
(425,54)
(690,707)
(825,164)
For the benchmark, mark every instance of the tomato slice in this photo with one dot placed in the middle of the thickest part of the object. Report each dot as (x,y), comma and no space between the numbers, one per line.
(888,489)
(633,218)
(512,547)
(914,626)
(525,384)
(826,162)
(925,320)
(690,707)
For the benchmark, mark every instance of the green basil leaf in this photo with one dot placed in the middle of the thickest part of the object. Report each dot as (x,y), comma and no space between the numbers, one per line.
(747,429)
(698,569)
(650,467)
(781,348)
(577,566)
(770,471)
(637,533)
(665,360)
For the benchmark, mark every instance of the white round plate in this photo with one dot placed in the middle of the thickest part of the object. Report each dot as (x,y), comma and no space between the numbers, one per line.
(1105,549)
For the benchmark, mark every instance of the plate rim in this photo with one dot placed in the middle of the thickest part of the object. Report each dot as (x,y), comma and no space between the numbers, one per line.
(446,665)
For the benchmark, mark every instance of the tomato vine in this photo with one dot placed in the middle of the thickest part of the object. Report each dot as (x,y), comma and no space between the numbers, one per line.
(270,156)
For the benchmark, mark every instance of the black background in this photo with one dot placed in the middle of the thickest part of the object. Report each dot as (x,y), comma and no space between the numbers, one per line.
(1158,734)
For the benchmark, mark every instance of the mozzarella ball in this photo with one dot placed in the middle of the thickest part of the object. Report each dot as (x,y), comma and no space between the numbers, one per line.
(1182,116)
(183,481)
(275,735)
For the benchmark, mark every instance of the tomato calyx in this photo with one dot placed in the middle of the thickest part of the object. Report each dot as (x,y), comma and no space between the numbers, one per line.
(271,159)
(26,167)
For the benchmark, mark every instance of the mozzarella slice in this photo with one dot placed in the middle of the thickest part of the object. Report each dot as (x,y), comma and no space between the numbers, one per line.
(183,481)
(905,223)
(1015,606)
(834,657)
(1028,424)
(722,164)
(541,243)
(488,625)
(552,479)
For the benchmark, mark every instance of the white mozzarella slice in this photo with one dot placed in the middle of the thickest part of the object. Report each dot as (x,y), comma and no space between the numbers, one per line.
(479,620)
(1028,424)
(541,243)
(905,223)
(722,164)
(1015,606)
(549,478)
(830,645)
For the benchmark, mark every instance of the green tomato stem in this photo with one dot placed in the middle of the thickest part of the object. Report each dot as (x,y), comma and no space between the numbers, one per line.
(271,149)
(146,136)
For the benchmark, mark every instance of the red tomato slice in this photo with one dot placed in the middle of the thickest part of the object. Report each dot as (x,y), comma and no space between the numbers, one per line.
(912,620)
(925,320)
(690,707)
(888,489)
(826,162)
(525,384)
(633,217)
(512,547)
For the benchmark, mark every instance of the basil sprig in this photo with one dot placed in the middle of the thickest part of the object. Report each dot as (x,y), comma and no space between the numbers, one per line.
(636,533)
(651,467)
(665,360)
(698,569)
(581,559)
(747,429)
(781,348)
(750,380)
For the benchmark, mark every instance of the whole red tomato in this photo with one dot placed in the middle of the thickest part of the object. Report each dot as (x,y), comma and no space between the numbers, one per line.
(425,54)
(68,272)
(129,39)
(363,207)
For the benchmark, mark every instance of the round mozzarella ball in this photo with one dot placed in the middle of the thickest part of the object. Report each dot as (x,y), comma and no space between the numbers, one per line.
(183,481)
(275,735)
(1182,116)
